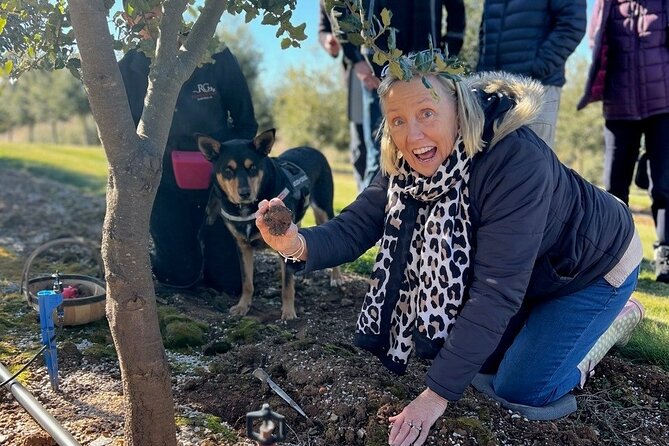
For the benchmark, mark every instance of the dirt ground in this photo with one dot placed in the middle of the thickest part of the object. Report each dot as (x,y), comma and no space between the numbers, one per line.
(345,392)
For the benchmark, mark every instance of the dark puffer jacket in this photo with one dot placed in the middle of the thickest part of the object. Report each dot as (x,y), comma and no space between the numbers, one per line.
(540,231)
(630,59)
(531,37)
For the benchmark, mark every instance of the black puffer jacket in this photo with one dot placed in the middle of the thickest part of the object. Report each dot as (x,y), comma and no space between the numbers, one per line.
(540,231)
(531,37)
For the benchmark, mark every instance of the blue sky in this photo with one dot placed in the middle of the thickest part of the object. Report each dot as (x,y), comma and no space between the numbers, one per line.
(276,60)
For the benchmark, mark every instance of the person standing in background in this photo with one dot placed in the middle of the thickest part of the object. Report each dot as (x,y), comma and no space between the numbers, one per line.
(215,101)
(358,150)
(418,23)
(630,75)
(533,38)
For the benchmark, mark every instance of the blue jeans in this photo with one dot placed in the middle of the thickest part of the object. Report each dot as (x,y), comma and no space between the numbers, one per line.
(540,365)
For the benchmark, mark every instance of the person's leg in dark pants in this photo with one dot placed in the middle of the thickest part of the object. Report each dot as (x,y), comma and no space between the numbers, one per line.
(176,219)
(622,140)
(358,154)
(222,270)
(372,125)
(657,149)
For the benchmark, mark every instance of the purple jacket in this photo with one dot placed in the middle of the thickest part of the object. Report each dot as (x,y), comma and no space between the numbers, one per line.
(630,59)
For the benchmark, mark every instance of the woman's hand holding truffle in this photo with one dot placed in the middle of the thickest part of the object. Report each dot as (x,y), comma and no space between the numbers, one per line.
(274,221)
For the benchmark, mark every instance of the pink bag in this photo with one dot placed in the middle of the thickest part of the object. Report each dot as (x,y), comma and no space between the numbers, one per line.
(191,169)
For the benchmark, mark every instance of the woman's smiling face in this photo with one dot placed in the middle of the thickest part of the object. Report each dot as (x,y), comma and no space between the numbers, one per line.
(423,128)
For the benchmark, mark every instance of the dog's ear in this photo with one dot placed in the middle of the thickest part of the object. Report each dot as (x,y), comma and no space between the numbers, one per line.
(209,147)
(264,141)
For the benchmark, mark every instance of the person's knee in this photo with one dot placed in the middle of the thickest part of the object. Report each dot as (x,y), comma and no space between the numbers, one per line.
(230,283)
(176,274)
(523,392)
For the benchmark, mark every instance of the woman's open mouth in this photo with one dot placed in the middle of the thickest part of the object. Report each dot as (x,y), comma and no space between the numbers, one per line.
(425,153)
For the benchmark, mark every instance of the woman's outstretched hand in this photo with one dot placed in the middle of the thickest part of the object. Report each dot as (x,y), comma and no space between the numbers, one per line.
(286,242)
(411,426)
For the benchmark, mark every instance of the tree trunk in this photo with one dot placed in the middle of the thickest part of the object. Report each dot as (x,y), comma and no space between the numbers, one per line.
(54,131)
(135,162)
(89,138)
(134,173)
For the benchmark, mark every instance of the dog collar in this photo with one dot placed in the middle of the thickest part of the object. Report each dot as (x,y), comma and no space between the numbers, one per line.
(284,193)
(237,217)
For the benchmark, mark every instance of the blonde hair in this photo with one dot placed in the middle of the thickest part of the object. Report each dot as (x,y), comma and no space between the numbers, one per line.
(469,115)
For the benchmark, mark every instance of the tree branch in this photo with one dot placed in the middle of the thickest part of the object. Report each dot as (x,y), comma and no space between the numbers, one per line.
(203,29)
(101,76)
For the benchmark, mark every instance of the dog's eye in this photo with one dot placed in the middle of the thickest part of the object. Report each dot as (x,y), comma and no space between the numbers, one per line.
(228,173)
(253,170)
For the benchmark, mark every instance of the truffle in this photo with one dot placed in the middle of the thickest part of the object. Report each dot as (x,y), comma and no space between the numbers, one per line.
(278,219)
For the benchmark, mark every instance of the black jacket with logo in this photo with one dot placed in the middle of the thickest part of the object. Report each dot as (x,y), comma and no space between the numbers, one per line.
(214,101)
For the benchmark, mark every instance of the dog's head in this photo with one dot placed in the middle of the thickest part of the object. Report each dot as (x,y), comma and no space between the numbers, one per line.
(238,164)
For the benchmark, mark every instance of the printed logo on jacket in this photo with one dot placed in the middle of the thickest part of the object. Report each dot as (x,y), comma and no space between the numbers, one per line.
(203,92)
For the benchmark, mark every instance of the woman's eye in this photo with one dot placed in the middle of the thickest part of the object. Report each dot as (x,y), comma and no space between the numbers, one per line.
(427,113)
(396,122)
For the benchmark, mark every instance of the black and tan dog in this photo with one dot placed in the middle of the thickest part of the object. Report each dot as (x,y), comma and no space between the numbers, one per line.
(244,175)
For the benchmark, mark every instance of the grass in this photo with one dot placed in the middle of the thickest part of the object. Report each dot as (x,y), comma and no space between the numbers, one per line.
(86,168)
(81,166)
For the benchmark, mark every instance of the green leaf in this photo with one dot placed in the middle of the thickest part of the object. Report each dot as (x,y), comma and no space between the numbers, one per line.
(380,58)
(3,22)
(269,19)
(355,39)
(298,32)
(285,43)
(386,15)
(7,68)
(396,69)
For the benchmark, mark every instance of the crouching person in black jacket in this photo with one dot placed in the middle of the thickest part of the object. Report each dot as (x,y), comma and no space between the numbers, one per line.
(496,261)
(214,101)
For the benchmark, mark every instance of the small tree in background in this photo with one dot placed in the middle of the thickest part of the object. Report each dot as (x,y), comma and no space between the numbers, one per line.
(310,109)
(579,134)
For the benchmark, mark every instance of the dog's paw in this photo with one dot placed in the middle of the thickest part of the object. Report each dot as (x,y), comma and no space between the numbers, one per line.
(336,282)
(336,278)
(288,314)
(239,310)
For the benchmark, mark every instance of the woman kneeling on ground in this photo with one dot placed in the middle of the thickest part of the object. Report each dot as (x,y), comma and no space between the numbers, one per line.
(494,258)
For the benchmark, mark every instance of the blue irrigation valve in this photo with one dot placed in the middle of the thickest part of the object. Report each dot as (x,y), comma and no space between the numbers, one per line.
(50,300)
(272,427)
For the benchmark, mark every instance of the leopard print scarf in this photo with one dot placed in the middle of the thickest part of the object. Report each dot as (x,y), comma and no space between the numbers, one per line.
(421,271)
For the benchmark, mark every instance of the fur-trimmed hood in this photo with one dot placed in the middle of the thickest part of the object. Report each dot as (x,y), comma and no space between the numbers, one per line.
(508,101)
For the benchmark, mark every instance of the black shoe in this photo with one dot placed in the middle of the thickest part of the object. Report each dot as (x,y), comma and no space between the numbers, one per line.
(662,263)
